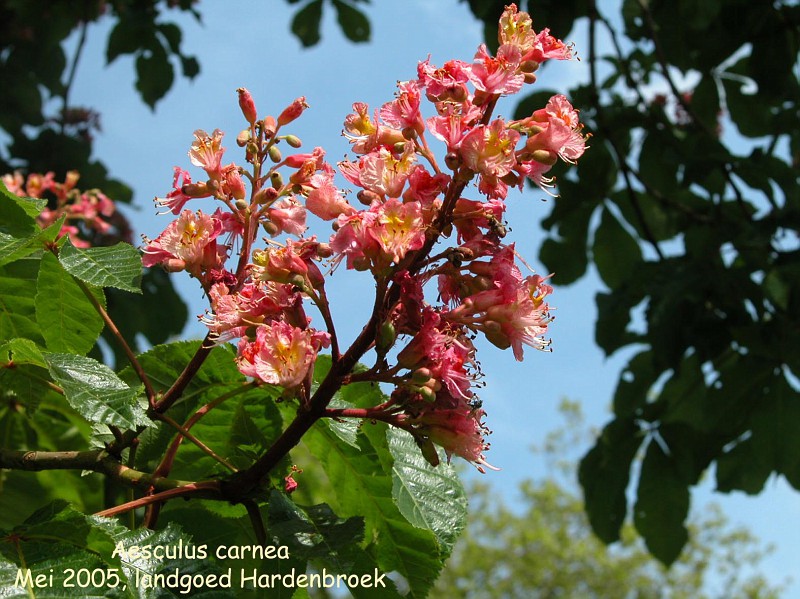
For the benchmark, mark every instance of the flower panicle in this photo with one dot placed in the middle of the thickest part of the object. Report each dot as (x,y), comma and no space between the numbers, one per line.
(426,224)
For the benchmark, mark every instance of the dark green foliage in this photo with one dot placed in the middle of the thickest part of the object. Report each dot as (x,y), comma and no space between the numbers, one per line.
(698,227)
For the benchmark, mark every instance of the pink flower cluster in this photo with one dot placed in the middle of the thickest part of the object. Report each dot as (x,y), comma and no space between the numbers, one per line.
(90,217)
(410,202)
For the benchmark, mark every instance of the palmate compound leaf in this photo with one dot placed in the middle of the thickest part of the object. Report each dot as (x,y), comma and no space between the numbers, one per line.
(117,266)
(95,391)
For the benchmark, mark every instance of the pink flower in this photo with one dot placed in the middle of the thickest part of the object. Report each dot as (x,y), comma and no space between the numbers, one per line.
(497,75)
(324,199)
(560,130)
(547,47)
(424,187)
(398,228)
(516,29)
(176,199)
(381,171)
(281,354)
(187,243)
(403,112)
(255,303)
(446,83)
(489,150)
(289,216)
(206,152)
(459,430)
(367,135)
(511,313)
(453,122)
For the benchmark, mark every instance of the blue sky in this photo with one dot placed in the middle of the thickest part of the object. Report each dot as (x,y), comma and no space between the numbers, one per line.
(242,43)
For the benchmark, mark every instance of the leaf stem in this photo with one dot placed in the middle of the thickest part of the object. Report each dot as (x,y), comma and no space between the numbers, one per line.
(137,367)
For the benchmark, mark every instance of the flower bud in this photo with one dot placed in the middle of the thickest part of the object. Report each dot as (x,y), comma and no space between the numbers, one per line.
(511,179)
(293,141)
(528,66)
(291,112)
(529,78)
(427,394)
(275,154)
(366,197)
(386,337)
(270,228)
(399,147)
(174,265)
(247,105)
(277,180)
(243,138)
(421,376)
(361,263)
(545,156)
(410,134)
(265,195)
(241,204)
(324,250)
(195,190)
(269,127)
(452,160)
(428,450)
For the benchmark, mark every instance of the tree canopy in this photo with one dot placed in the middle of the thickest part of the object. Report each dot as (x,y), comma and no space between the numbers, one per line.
(688,207)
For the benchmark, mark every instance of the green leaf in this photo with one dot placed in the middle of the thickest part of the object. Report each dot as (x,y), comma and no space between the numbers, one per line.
(354,23)
(17,214)
(69,322)
(127,37)
(20,235)
(306,23)
(154,74)
(117,266)
(21,351)
(662,504)
(616,253)
(17,305)
(659,162)
(95,391)
(604,474)
(312,532)
(429,497)
(21,248)
(634,383)
(23,372)
(365,488)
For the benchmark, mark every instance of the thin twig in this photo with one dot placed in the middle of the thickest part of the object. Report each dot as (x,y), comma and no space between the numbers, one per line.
(73,70)
(206,490)
(202,446)
(137,367)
